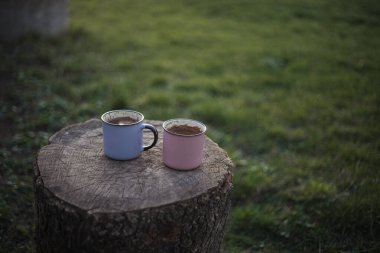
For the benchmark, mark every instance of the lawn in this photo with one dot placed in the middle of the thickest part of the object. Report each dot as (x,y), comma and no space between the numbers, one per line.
(291,89)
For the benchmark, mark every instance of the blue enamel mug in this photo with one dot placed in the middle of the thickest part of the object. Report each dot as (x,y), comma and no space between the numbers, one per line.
(123,134)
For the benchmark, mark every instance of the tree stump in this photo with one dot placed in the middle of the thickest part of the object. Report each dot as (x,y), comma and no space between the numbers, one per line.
(86,202)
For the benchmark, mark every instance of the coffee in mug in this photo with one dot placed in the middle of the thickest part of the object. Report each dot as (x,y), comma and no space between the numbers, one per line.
(185,129)
(123,120)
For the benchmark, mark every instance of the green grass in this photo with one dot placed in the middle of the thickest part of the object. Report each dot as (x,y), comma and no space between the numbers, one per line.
(291,89)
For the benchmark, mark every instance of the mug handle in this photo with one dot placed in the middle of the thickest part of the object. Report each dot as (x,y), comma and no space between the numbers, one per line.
(155,133)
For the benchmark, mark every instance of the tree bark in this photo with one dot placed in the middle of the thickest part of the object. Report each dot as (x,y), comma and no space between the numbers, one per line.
(21,17)
(86,202)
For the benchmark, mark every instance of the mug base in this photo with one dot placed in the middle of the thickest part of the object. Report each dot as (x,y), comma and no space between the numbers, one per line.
(121,159)
(181,168)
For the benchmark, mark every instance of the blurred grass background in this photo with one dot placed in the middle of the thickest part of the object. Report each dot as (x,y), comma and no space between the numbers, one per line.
(291,89)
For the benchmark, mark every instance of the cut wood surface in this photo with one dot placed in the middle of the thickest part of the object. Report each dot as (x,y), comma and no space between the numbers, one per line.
(148,206)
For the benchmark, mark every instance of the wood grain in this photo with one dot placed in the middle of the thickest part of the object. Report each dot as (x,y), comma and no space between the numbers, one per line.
(74,168)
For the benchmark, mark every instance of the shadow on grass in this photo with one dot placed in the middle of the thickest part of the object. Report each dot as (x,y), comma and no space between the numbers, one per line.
(34,103)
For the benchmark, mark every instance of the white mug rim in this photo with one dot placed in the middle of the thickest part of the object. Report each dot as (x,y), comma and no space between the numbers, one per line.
(203,126)
(122,110)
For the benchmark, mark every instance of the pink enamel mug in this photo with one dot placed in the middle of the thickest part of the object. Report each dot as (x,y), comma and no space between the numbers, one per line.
(183,143)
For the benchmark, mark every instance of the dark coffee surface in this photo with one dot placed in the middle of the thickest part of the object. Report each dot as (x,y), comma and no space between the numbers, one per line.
(185,130)
(123,121)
